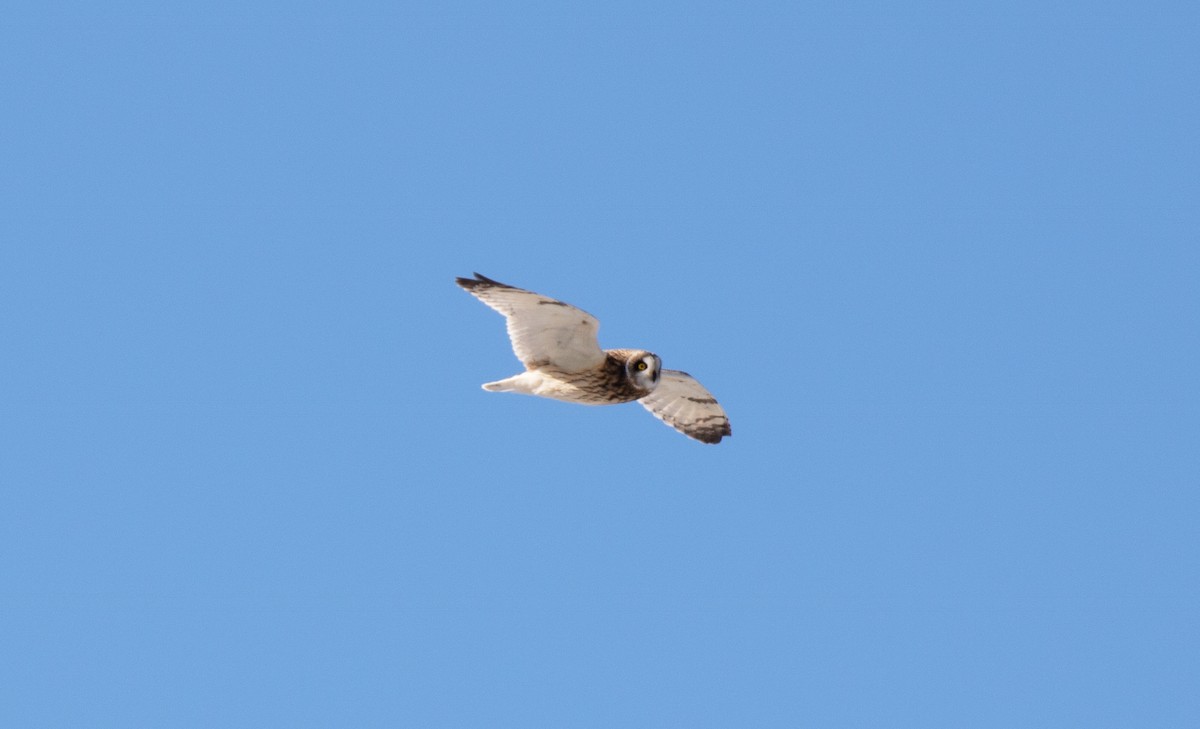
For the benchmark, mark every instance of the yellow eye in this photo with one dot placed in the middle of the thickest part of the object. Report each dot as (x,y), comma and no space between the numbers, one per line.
(641,366)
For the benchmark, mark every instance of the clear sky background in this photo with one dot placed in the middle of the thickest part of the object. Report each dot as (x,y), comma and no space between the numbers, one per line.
(939,261)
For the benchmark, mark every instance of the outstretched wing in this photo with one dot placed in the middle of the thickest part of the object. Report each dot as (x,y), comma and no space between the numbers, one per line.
(543,331)
(682,403)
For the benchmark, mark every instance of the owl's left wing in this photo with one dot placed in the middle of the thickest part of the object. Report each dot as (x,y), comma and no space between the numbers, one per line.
(682,403)
(542,330)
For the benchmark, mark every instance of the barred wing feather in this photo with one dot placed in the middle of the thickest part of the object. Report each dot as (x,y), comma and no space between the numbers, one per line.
(682,403)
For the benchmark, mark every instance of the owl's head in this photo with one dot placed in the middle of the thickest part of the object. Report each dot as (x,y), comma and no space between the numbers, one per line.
(643,369)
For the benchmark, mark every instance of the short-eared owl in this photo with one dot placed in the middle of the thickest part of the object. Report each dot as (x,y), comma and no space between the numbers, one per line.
(557,344)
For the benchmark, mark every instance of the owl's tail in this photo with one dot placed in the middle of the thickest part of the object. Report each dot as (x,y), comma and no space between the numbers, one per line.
(517,383)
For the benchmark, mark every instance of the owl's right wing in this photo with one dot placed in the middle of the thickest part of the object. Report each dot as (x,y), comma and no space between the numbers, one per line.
(681,402)
(542,330)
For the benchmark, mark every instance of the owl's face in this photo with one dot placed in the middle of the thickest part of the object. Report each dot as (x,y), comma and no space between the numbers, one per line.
(643,369)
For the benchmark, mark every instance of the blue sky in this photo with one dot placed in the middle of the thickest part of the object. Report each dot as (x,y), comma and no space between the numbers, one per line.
(939,261)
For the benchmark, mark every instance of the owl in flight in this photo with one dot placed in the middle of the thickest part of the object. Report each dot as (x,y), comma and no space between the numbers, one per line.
(557,344)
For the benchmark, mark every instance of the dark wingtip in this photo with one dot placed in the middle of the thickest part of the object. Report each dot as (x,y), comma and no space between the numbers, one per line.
(479,281)
(714,436)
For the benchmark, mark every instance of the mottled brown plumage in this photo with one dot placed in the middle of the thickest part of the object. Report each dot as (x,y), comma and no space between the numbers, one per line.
(609,384)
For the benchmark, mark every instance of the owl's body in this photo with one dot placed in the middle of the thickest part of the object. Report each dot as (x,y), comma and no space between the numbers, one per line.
(563,361)
(608,384)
